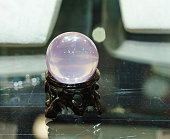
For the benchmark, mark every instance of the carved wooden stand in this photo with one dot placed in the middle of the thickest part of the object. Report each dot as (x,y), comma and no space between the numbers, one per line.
(77,97)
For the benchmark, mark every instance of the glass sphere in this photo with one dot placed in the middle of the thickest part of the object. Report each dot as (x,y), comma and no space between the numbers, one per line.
(72,58)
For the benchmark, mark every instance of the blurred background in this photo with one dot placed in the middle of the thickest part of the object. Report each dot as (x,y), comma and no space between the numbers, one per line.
(133,41)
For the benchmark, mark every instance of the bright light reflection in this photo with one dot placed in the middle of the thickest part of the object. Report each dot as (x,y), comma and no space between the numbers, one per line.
(98,34)
(156,87)
(39,128)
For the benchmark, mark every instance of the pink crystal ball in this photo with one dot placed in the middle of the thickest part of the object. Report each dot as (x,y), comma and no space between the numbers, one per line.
(72,58)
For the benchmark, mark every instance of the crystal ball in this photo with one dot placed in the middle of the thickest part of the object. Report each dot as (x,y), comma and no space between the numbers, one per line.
(72,58)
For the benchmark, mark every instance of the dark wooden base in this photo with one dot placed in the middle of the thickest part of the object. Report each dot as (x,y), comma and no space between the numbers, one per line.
(77,97)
